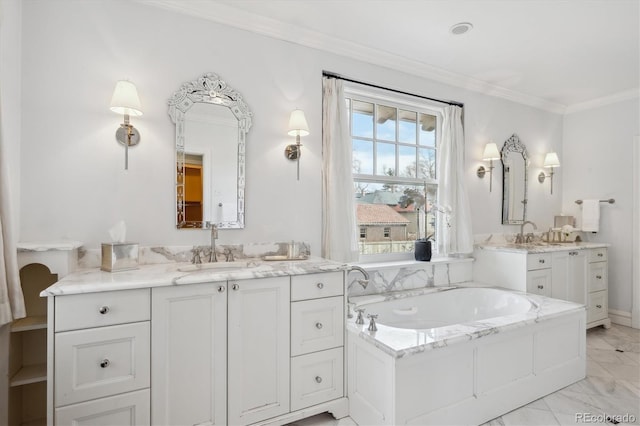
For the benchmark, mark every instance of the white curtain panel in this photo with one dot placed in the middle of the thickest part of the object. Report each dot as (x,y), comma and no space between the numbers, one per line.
(11,299)
(455,236)
(339,241)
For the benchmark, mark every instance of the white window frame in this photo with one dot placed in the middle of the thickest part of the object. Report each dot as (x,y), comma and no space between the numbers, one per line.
(405,102)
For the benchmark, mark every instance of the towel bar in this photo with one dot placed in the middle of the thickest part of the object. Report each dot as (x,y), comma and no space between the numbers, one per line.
(610,201)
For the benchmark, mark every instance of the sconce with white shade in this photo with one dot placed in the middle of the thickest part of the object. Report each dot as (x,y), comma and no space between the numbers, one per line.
(490,153)
(125,101)
(550,160)
(297,127)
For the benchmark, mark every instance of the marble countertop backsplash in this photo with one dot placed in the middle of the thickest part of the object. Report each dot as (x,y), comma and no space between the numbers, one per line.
(506,242)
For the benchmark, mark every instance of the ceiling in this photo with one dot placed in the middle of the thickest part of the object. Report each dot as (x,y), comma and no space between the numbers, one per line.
(560,55)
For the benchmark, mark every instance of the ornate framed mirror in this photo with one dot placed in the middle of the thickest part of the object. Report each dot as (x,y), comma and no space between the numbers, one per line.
(515,162)
(212,121)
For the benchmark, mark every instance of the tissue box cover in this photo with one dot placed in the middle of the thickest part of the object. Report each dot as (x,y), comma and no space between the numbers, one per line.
(119,256)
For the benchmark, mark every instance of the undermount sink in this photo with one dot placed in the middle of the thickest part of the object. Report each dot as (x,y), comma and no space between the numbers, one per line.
(219,266)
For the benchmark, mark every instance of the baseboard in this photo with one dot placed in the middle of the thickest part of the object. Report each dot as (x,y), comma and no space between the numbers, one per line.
(620,317)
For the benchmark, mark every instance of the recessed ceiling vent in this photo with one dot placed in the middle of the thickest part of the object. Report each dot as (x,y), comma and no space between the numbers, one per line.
(461,28)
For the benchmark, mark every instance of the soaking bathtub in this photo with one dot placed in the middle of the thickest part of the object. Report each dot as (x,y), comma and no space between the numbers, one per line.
(460,355)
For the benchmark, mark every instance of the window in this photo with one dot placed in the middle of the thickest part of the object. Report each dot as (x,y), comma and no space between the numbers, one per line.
(395,143)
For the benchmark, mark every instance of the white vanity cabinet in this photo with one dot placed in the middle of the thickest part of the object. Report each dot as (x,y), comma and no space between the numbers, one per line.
(101,358)
(568,273)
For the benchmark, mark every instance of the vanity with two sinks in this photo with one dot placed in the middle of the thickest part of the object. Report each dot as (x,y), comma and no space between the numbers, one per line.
(250,342)
(571,271)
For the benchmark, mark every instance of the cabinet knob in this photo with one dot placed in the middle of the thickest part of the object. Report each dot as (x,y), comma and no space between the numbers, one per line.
(319,325)
(599,277)
(540,287)
(600,254)
(221,289)
(599,306)
(235,287)
(105,363)
(541,260)
(320,286)
(318,379)
(103,310)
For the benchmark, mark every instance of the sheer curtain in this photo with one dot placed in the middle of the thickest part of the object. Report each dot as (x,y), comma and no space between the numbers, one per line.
(454,217)
(11,300)
(339,240)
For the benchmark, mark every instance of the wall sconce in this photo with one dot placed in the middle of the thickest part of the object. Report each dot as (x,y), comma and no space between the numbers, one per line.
(490,153)
(125,101)
(550,160)
(297,127)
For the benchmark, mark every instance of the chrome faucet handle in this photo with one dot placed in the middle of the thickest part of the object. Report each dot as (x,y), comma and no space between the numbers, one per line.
(360,319)
(195,259)
(372,322)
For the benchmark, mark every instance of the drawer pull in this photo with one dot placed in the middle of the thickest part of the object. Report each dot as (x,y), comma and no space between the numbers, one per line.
(105,363)
(221,289)
(540,287)
(318,379)
(235,287)
(103,310)
(320,286)
(599,277)
(599,306)
(319,325)
(541,260)
(600,254)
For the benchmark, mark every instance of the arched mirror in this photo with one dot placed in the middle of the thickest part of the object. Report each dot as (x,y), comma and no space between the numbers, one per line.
(212,122)
(515,161)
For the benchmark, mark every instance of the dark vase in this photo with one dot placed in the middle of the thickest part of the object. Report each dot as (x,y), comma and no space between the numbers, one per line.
(423,250)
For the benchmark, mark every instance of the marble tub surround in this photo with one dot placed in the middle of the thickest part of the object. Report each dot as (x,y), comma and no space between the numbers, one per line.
(169,274)
(388,277)
(150,255)
(401,342)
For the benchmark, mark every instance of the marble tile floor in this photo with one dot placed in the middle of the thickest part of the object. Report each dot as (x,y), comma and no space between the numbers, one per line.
(611,388)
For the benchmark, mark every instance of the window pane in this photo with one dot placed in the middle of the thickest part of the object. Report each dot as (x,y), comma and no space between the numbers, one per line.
(406,161)
(386,123)
(386,159)
(426,163)
(362,119)
(427,130)
(387,216)
(362,157)
(407,127)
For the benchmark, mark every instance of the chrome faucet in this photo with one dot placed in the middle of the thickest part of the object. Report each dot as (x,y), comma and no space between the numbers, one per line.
(214,236)
(363,282)
(520,238)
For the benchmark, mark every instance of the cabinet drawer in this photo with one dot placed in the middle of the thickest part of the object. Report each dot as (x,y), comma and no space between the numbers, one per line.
(598,306)
(316,378)
(538,261)
(317,325)
(598,255)
(313,286)
(87,310)
(128,409)
(102,361)
(597,276)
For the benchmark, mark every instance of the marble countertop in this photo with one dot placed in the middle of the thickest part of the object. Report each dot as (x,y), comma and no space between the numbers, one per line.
(540,247)
(401,342)
(167,274)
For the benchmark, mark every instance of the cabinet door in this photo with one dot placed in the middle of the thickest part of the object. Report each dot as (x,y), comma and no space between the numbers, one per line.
(258,385)
(569,276)
(539,282)
(188,373)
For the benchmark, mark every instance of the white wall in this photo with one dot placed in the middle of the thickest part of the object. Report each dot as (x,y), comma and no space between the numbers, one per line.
(74,185)
(10,34)
(597,162)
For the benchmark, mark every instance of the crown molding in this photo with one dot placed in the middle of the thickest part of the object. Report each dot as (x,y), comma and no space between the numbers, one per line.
(228,15)
(605,100)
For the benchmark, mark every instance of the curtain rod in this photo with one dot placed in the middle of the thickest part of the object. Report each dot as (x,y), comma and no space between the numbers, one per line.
(338,76)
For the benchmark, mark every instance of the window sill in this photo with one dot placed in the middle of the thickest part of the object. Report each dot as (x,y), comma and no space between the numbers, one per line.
(410,262)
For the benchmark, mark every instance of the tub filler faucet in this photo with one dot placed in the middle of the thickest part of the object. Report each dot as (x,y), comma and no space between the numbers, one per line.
(363,282)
